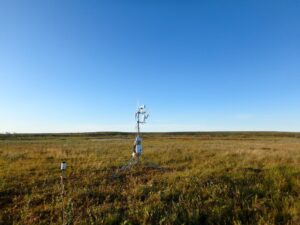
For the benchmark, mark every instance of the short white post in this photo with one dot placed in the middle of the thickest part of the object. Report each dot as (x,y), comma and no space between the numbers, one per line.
(63,167)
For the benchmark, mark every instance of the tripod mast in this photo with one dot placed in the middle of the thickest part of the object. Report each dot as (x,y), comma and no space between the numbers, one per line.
(138,123)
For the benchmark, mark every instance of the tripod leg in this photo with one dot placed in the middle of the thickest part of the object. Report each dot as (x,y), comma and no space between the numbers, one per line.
(130,163)
(151,164)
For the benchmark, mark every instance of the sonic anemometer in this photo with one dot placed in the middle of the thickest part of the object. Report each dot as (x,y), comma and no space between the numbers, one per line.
(141,116)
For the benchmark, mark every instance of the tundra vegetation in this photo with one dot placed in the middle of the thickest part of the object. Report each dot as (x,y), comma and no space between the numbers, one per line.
(207,178)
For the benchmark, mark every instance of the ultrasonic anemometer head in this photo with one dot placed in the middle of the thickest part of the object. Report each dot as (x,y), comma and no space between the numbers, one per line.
(141,114)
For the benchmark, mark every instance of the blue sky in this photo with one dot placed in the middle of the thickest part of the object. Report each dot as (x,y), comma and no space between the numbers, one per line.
(70,66)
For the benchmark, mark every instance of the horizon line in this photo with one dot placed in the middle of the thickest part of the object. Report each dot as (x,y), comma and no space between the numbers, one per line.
(148,132)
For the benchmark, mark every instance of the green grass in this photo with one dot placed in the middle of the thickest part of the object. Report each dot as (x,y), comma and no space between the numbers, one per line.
(208,178)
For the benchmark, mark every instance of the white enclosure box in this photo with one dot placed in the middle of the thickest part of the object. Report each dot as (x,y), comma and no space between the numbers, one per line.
(63,166)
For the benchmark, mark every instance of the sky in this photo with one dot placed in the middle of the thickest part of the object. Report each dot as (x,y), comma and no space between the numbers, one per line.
(210,65)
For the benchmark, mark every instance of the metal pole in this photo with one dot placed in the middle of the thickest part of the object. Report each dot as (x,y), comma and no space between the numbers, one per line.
(62,196)
(138,125)
(63,167)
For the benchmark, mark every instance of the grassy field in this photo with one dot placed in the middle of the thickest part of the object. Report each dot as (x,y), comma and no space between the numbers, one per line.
(207,178)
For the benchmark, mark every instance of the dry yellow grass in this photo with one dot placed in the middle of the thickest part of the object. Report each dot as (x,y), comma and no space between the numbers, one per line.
(234,178)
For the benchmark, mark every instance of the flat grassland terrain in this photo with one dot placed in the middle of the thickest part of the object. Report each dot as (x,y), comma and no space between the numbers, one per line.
(206,178)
